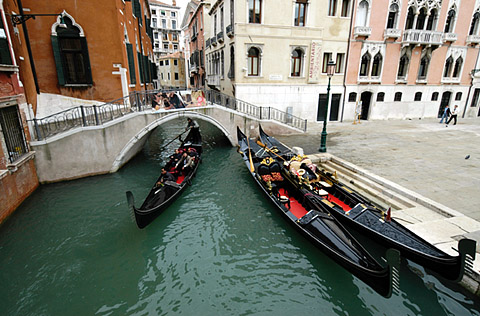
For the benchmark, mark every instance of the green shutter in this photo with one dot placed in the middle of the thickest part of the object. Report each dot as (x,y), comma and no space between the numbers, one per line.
(58,60)
(131,64)
(140,67)
(148,76)
(137,10)
(88,68)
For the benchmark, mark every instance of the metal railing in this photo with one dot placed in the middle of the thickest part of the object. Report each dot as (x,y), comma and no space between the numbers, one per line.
(138,101)
(259,112)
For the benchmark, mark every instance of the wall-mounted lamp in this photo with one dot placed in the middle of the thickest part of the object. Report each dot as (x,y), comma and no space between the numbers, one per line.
(22,18)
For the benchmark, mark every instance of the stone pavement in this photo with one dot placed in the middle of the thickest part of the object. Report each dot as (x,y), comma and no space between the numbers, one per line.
(420,155)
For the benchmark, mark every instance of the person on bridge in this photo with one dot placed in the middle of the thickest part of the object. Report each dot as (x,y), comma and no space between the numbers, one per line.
(175,101)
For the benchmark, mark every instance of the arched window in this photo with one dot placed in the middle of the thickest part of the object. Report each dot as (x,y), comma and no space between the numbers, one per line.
(253,61)
(418,96)
(362,13)
(398,97)
(422,71)
(297,61)
(392,16)
(365,65)
(403,67)
(448,67)
(449,23)
(352,97)
(474,25)
(380,96)
(70,52)
(422,15)
(435,96)
(458,67)
(410,19)
(458,96)
(432,20)
(377,65)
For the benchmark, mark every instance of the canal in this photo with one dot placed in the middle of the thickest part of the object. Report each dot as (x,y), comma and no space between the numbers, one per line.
(73,249)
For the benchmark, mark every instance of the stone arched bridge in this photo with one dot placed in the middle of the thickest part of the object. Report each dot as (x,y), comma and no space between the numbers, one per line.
(99,149)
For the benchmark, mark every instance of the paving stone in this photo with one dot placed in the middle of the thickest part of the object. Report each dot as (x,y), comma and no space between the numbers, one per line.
(436,232)
(465,223)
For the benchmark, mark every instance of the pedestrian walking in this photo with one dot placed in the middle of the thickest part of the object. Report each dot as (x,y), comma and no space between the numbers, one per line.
(446,114)
(453,116)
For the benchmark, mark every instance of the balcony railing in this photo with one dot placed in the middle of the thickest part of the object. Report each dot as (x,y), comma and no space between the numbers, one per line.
(421,37)
(230,30)
(473,39)
(449,37)
(362,31)
(220,37)
(392,33)
(214,41)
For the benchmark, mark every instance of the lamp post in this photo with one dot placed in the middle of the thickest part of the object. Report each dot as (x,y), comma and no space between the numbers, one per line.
(323,141)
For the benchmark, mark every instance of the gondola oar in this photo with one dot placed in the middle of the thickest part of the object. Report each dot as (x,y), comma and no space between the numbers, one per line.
(252,168)
(269,150)
(163,147)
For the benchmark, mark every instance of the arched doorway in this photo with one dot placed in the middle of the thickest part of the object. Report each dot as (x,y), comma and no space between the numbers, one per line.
(365,98)
(446,97)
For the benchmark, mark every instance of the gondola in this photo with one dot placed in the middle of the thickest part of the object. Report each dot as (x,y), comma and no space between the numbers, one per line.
(297,206)
(162,195)
(355,211)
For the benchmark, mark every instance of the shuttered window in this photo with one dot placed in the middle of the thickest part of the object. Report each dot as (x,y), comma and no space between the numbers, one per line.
(70,52)
(131,64)
(137,10)
(5,57)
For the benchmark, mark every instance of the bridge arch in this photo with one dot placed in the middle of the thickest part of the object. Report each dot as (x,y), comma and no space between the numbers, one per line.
(135,144)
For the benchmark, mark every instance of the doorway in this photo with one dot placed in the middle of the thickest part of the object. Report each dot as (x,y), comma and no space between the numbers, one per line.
(334,107)
(365,98)
(446,96)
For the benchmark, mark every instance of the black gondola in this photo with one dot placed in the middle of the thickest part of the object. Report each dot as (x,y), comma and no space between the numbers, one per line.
(356,211)
(298,207)
(161,196)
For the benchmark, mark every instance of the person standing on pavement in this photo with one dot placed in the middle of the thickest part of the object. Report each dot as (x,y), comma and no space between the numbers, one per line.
(446,114)
(453,116)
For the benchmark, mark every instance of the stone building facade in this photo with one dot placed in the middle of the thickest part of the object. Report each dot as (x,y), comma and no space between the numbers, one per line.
(18,177)
(409,59)
(172,71)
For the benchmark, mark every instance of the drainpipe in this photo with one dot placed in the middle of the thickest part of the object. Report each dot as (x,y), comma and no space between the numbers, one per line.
(472,75)
(29,49)
(346,61)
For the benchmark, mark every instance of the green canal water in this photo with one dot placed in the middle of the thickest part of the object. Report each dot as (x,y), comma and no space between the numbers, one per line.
(220,249)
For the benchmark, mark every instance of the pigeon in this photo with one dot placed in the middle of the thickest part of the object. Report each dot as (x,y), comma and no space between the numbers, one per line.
(468,156)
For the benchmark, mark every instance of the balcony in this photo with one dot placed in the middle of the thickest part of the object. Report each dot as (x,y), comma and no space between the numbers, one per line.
(220,37)
(473,39)
(449,37)
(230,31)
(362,31)
(366,79)
(392,33)
(213,80)
(421,37)
(214,41)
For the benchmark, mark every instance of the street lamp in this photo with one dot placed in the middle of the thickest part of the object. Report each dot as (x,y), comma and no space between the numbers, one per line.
(323,141)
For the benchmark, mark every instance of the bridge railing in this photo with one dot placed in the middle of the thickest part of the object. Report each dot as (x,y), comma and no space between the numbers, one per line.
(260,112)
(138,101)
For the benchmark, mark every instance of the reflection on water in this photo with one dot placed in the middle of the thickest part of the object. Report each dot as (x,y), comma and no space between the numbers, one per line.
(72,248)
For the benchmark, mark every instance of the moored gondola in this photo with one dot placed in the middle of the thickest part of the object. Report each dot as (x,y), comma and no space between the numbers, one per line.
(354,210)
(163,193)
(297,206)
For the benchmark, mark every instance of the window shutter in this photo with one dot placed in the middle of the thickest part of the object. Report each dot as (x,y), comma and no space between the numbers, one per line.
(146,68)
(58,61)
(137,10)
(88,68)
(140,67)
(5,57)
(131,64)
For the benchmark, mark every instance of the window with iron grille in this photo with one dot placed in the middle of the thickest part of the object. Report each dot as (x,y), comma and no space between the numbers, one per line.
(12,131)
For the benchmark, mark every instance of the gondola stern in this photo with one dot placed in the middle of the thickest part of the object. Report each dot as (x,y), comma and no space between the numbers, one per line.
(467,252)
(393,265)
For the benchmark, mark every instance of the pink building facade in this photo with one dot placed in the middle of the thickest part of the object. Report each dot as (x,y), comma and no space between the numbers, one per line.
(409,59)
